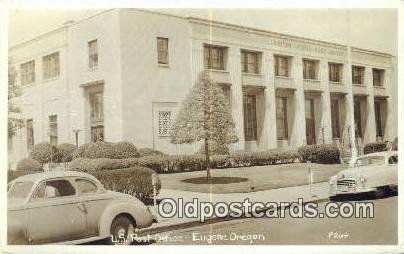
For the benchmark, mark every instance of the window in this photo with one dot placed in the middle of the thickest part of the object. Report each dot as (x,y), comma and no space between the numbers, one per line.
(282,66)
(335,72)
(310,122)
(335,118)
(214,57)
(27,73)
(250,118)
(97,116)
(250,61)
(51,66)
(54,188)
(378,118)
(86,186)
(53,130)
(378,77)
(93,54)
(358,118)
(281,118)
(30,134)
(96,102)
(310,69)
(164,123)
(358,73)
(162,50)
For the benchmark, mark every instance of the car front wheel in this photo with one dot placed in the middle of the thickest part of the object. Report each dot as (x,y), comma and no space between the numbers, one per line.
(122,230)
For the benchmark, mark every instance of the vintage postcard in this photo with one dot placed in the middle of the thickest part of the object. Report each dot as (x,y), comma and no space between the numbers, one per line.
(203,127)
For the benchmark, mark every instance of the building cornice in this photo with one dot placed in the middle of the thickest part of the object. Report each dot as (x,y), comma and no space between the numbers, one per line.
(209,22)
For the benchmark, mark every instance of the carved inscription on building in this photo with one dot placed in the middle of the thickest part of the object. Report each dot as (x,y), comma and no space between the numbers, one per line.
(306,47)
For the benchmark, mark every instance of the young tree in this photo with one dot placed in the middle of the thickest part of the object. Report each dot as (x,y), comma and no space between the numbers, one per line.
(205,115)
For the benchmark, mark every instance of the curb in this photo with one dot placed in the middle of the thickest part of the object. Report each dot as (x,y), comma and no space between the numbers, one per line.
(194,223)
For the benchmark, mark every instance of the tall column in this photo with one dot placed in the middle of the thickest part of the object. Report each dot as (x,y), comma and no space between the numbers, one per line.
(236,94)
(298,135)
(390,130)
(370,131)
(269,128)
(326,101)
(350,104)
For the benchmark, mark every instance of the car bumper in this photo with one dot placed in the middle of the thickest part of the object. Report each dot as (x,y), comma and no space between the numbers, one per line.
(341,191)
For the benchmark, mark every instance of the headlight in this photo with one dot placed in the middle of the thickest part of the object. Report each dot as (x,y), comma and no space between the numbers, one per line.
(362,179)
(331,182)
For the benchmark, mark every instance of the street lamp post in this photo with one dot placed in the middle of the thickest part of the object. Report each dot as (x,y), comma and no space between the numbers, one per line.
(76,133)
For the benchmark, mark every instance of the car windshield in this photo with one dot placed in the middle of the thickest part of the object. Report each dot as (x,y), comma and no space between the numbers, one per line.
(370,160)
(20,190)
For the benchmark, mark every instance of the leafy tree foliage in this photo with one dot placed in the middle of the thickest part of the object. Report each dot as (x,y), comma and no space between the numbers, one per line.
(205,116)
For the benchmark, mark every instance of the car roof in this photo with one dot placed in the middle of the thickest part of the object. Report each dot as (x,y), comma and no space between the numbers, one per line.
(53,174)
(384,154)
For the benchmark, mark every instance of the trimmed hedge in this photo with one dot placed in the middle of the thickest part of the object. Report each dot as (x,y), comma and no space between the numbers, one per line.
(135,181)
(65,152)
(375,147)
(324,154)
(109,150)
(181,163)
(148,152)
(43,152)
(28,164)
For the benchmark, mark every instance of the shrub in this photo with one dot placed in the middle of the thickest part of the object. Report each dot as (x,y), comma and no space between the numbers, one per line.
(65,152)
(43,152)
(135,181)
(375,147)
(28,164)
(110,150)
(85,164)
(13,174)
(125,149)
(325,154)
(149,151)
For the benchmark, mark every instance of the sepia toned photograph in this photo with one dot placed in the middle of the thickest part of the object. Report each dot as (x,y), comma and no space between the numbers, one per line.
(150,127)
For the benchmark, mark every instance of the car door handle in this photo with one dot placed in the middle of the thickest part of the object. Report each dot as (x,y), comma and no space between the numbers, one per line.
(82,207)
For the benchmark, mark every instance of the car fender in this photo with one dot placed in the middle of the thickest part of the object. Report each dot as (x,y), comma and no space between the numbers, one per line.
(140,214)
(16,232)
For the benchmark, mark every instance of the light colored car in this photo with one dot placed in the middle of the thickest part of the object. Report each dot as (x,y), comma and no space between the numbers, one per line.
(68,207)
(375,173)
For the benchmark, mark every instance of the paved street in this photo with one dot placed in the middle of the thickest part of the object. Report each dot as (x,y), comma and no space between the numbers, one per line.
(382,229)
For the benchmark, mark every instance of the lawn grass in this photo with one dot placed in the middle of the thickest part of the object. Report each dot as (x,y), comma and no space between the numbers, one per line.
(259,178)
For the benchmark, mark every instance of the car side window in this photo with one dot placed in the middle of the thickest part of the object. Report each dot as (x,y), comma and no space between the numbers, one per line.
(393,159)
(86,186)
(54,188)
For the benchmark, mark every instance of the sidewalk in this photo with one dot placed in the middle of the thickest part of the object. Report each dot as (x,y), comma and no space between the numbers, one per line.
(319,192)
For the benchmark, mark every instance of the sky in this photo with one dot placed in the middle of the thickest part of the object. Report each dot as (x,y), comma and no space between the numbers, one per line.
(374,29)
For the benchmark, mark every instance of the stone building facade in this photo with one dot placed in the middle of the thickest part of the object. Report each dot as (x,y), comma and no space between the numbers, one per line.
(122,75)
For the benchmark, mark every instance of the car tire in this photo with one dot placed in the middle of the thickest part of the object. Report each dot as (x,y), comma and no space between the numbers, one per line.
(379,192)
(122,229)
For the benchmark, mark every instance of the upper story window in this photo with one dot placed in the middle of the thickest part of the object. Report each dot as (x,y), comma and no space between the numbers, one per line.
(51,66)
(378,77)
(96,106)
(27,72)
(310,69)
(93,54)
(358,73)
(162,50)
(282,66)
(335,72)
(53,130)
(214,57)
(250,61)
